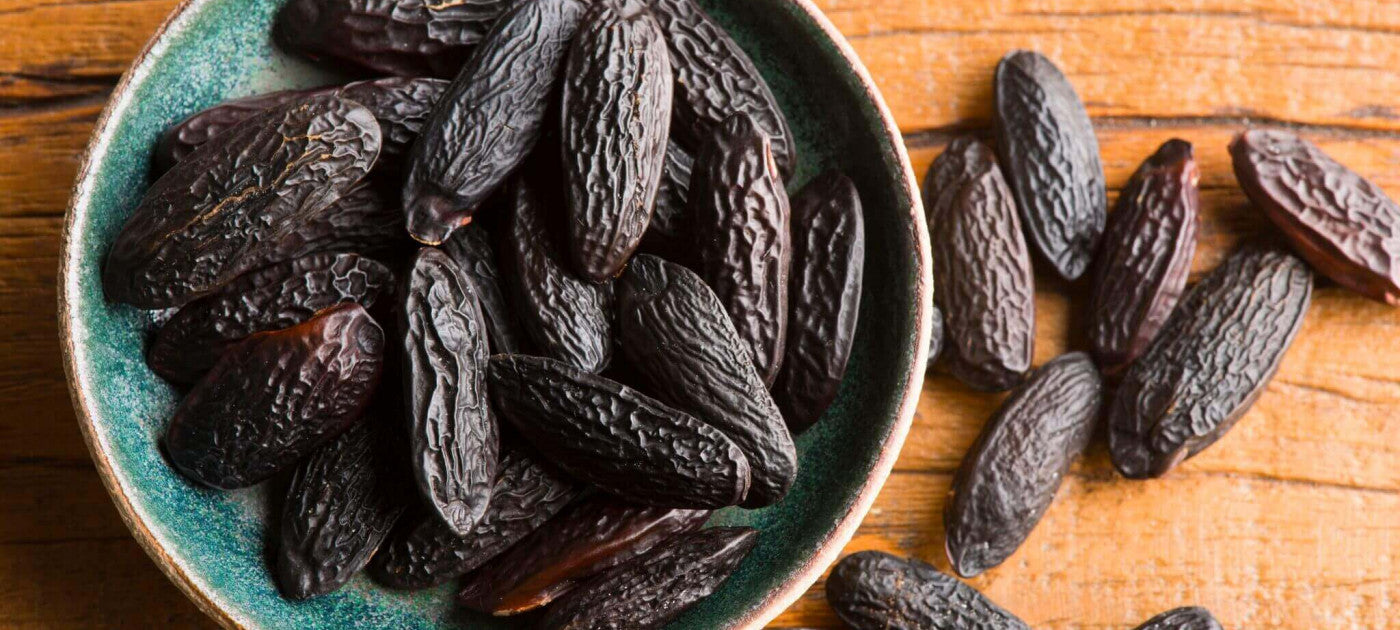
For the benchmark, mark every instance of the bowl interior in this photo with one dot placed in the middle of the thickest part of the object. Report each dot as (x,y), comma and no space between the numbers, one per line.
(215,542)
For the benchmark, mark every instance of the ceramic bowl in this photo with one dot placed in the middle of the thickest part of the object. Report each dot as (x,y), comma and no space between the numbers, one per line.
(211,544)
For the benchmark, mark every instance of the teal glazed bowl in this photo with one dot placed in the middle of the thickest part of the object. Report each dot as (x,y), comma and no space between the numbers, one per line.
(212,544)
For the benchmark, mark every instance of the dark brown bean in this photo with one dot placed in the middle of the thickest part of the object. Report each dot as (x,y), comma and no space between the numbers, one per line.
(936,337)
(470,248)
(340,506)
(490,118)
(715,79)
(616,438)
(453,438)
(565,316)
(275,397)
(366,220)
(872,590)
(1010,475)
(675,332)
(401,106)
(654,589)
(616,121)
(1341,223)
(400,37)
(1145,257)
(182,138)
(1051,156)
(596,535)
(671,233)
(743,229)
(982,270)
(1211,361)
(427,553)
(220,212)
(276,297)
(1186,618)
(828,263)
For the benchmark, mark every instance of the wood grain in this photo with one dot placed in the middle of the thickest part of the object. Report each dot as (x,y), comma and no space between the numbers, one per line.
(1268,59)
(1291,521)
(56,42)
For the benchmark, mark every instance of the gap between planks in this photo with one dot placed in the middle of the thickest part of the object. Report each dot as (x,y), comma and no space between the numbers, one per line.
(938,136)
(1096,475)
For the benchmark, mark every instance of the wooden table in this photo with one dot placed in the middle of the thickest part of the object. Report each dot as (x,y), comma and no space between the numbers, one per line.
(1293,520)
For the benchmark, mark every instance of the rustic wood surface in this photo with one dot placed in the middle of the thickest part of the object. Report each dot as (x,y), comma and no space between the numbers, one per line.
(1291,521)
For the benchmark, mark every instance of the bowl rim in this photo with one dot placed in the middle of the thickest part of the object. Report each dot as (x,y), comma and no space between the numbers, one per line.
(773,604)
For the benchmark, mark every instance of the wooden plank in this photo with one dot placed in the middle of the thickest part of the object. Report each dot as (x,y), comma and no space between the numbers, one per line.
(1109,553)
(40,150)
(73,585)
(18,90)
(65,39)
(40,424)
(934,60)
(50,501)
